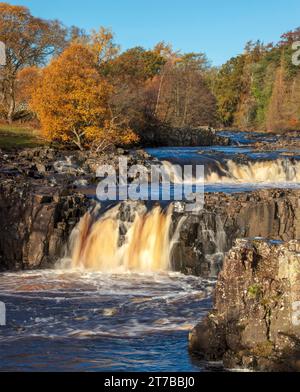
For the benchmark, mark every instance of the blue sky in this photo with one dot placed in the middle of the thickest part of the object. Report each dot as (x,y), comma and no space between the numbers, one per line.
(220,28)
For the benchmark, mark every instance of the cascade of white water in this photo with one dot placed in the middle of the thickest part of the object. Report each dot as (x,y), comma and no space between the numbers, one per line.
(147,248)
(278,171)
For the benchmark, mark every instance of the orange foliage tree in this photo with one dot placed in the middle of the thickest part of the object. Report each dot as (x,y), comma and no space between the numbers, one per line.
(26,83)
(72,102)
(29,41)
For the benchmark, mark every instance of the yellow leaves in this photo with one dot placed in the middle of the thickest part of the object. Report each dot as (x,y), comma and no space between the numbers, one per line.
(122,135)
(13,10)
(102,45)
(71,96)
(93,133)
(72,101)
(27,82)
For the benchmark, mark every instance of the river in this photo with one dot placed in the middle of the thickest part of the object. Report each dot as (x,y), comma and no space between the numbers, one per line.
(83,320)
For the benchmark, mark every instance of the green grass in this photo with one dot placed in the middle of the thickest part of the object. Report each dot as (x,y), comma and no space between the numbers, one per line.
(16,136)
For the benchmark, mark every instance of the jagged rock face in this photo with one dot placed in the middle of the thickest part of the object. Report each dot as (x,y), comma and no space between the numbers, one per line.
(206,236)
(35,223)
(256,318)
(40,203)
(37,220)
(184,137)
(65,168)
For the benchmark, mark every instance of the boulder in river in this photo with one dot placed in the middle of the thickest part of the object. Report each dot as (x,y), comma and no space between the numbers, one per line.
(255,323)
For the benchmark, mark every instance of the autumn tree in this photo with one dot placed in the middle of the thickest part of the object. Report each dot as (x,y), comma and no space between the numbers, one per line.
(275,116)
(136,64)
(185,99)
(259,89)
(27,81)
(283,112)
(29,41)
(131,74)
(290,37)
(228,88)
(247,106)
(72,102)
(102,43)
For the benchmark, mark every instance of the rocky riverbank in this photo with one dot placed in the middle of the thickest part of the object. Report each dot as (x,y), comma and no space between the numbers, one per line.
(165,136)
(36,222)
(255,323)
(207,236)
(65,168)
(45,192)
(43,195)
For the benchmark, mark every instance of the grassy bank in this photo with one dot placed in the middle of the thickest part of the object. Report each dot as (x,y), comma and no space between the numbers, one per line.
(18,136)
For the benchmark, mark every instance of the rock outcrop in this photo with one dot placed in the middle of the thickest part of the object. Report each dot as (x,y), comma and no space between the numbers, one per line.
(41,201)
(206,236)
(255,323)
(36,221)
(65,168)
(39,195)
(183,137)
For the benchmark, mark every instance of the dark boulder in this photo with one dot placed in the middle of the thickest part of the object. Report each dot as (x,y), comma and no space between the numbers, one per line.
(35,223)
(255,323)
(205,236)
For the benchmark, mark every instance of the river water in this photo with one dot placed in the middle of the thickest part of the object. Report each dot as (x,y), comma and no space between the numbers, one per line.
(76,320)
(89,321)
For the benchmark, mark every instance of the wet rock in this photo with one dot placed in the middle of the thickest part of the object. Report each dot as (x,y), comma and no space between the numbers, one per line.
(205,236)
(255,323)
(290,141)
(39,204)
(36,223)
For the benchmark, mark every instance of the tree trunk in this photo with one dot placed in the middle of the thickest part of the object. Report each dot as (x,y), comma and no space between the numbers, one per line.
(77,140)
(159,93)
(12,102)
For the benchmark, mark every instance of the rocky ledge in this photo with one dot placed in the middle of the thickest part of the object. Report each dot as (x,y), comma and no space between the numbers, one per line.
(36,221)
(65,168)
(42,197)
(255,323)
(205,237)
(184,137)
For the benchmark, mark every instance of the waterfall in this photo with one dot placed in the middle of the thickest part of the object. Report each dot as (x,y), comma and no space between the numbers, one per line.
(275,171)
(214,236)
(96,243)
(281,170)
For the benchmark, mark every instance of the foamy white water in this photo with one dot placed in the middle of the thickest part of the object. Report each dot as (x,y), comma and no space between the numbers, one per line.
(147,247)
(107,322)
(268,172)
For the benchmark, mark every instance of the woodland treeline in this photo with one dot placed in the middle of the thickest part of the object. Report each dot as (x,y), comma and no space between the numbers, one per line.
(260,89)
(80,88)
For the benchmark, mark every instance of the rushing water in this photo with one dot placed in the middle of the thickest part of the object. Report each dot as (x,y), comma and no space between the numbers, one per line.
(236,168)
(89,321)
(147,246)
